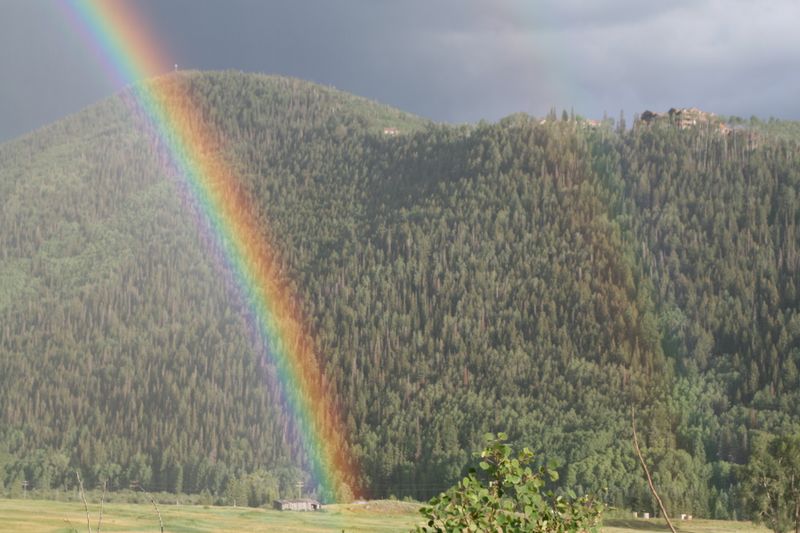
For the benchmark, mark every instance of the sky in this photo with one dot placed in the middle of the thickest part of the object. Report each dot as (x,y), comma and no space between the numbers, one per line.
(452,61)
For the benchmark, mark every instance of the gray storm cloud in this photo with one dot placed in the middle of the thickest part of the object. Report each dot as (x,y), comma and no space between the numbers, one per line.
(451,60)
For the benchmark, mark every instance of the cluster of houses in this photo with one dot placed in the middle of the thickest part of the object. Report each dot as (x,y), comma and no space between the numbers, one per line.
(686,117)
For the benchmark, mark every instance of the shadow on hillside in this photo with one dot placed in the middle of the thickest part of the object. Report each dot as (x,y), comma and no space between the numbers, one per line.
(639,525)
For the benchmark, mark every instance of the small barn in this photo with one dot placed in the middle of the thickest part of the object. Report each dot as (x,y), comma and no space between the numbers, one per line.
(305,504)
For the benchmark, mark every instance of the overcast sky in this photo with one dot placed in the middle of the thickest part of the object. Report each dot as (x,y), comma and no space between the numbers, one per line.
(449,60)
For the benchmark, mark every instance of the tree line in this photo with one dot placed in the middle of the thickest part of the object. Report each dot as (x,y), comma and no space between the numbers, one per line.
(535,277)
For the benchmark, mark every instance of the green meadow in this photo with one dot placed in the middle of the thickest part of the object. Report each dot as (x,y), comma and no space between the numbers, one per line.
(25,516)
(694,526)
(51,516)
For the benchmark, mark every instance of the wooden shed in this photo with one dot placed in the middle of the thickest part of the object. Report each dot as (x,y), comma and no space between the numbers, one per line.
(305,504)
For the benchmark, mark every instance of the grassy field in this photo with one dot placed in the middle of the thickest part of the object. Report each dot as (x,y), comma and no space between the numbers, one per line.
(693,526)
(382,516)
(50,516)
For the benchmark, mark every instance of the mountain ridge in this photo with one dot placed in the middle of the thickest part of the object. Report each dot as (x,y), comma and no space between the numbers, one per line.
(532,277)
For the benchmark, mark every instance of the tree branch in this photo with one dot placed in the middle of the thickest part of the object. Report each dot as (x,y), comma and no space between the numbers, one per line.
(85,505)
(647,472)
(102,501)
(153,501)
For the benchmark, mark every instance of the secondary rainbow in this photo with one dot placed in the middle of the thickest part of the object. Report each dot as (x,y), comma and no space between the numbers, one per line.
(131,54)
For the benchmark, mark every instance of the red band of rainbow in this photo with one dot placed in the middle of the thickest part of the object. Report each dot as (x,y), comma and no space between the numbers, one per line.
(130,54)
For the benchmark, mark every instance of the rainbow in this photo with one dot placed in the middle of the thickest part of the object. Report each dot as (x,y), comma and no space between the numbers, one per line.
(121,40)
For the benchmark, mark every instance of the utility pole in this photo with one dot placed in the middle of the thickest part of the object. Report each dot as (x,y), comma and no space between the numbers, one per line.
(299,489)
(25,489)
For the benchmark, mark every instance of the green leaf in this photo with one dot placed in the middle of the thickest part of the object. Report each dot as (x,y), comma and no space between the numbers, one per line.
(472,505)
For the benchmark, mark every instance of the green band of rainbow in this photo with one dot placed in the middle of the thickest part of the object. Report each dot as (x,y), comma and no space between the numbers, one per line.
(131,55)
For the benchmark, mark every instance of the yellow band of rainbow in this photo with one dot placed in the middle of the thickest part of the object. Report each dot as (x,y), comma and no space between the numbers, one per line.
(120,38)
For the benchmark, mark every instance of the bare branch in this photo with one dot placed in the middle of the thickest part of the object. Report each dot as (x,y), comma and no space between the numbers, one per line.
(647,472)
(153,501)
(85,505)
(102,501)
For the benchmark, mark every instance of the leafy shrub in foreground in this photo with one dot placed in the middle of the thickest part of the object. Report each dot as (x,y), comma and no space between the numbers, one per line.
(508,496)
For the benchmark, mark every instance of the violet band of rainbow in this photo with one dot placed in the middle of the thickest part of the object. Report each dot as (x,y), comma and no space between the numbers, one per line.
(131,55)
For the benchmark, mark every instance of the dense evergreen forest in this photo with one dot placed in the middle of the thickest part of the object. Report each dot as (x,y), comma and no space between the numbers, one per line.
(535,276)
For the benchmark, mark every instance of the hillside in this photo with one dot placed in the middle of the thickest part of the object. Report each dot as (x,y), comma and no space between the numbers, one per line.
(538,278)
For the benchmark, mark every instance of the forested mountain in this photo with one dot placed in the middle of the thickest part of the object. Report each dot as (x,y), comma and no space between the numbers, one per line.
(539,277)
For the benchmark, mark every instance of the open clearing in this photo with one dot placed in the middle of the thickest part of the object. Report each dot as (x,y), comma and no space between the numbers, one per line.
(379,516)
(693,526)
(51,516)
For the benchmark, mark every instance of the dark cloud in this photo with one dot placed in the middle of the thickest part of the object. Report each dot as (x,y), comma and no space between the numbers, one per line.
(450,60)
(46,71)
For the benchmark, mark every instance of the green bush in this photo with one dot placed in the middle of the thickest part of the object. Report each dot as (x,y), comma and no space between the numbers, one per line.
(508,495)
